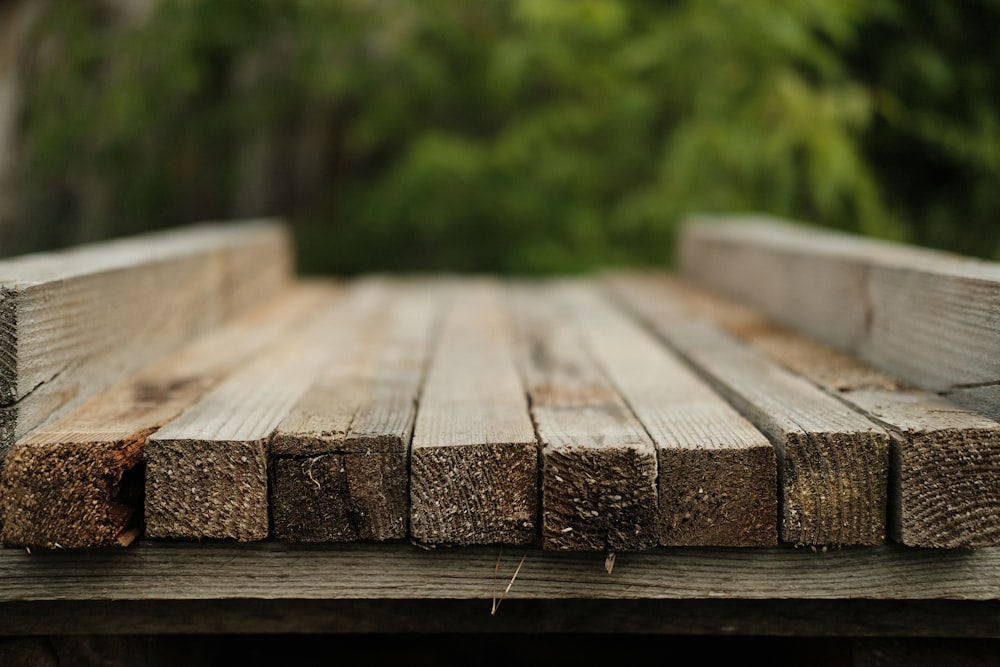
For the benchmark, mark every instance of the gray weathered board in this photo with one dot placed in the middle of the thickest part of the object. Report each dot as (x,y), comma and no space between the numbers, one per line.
(340,460)
(77,482)
(599,466)
(944,485)
(206,470)
(73,322)
(717,474)
(833,461)
(928,317)
(474,458)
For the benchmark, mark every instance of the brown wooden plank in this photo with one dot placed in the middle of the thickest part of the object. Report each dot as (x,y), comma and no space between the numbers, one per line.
(598,463)
(340,459)
(945,472)
(270,570)
(74,322)
(78,482)
(717,473)
(206,470)
(925,316)
(833,462)
(474,457)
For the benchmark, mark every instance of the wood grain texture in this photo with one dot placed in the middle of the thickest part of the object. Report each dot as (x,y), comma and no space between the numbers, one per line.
(74,322)
(206,470)
(269,570)
(474,457)
(944,486)
(833,462)
(717,473)
(599,465)
(78,481)
(925,316)
(340,459)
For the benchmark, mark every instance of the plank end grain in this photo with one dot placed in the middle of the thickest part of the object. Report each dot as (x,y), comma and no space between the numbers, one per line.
(89,495)
(834,487)
(474,494)
(340,496)
(213,489)
(718,496)
(599,498)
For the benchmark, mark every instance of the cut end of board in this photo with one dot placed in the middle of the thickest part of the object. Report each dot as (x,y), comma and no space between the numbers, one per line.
(474,494)
(81,495)
(340,497)
(599,500)
(212,489)
(718,498)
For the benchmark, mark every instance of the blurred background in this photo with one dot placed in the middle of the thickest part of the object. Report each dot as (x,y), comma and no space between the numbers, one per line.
(510,136)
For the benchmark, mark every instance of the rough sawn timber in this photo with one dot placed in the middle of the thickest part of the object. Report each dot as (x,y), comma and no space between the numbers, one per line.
(832,461)
(598,463)
(944,485)
(474,456)
(206,470)
(717,477)
(78,482)
(925,316)
(340,459)
(74,322)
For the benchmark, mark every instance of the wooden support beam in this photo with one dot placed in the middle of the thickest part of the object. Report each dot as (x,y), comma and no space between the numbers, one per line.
(832,461)
(474,457)
(925,316)
(206,470)
(598,462)
(340,459)
(717,473)
(74,322)
(944,487)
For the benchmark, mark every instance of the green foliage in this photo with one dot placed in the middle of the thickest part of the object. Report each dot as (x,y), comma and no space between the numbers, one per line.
(516,136)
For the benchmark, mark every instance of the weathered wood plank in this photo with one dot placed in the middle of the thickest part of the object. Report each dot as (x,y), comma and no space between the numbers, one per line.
(74,322)
(474,457)
(598,463)
(832,461)
(270,570)
(77,482)
(717,473)
(944,488)
(340,459)
(206,470)
(925,316)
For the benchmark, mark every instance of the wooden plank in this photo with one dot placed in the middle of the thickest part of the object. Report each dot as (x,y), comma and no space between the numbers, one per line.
(474,457)
(832,461)
(944,489)
(925,316)
(206,470)
(717,478)
(340,459)
(598,463)
(270,570)
(74,322)
(77,482)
